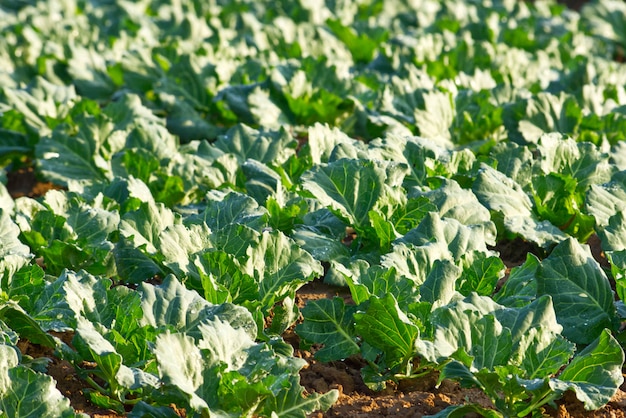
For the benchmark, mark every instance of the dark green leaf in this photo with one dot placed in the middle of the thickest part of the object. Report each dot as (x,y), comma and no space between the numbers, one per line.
(582,295)
(330,322)
(387,328)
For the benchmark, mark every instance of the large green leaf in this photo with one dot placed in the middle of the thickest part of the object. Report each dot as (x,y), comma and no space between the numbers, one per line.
(613,234)
(51,308)
(387,328)
(521,286)
(454,324)
(482,275)
(40,103)
(143,226)
(22,323)
(13,254)
(180,364)
(582,295)
(449,238)
(264,146)
(291,403)
(92,346)
(26,393)
(604,201)
(365,281)
(454,202)
(225,208)
(65,157)
(510,205)
(546,113)
(351,188)
(439,286)
(330,322)
(581,161)
(172,306)
(280,267)
(226,372)
(595,373)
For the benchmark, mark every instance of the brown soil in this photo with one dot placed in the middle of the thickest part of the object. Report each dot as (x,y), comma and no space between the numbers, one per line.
(24,182)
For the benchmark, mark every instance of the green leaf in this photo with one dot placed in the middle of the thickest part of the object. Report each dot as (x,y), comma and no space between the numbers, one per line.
(13,254)
(581,161)
(604,201)
(454,323)
(547,113)
(24,325)
(557,200)
(93,346)
(595,373)
(222,277)
(365,281)
(613,235)
(178,243)
(143,226)
(291,402)
(482,275)
(454,202)
(13,142)
(492,344)
(280,267)
(604,20)
(439,286)
(407,217)
(514,161)
(582,295)
(350,188)
(263,182)
(180,364)
(226,208)
(145,410)
(51,309)
(617,259)
(321,246)
(330,322)
(387,328)
(361,45)
(538,346)
(521,286)
(224,343)
(26,393)
(237,240)
(264,146)
(66,156)
(172,306)
(385,231)
(41,103)
(545,359)
(449,237)
(323,140)
(103,401)
(133,265)
(435,120)
(507,201)
(25,286)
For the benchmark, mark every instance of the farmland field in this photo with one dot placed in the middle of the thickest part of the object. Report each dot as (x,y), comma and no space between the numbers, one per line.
(350,208)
